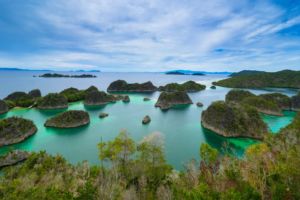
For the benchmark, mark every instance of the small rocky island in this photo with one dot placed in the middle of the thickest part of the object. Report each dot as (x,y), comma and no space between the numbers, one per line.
(3,107)
(14,130)
(13,158)
(53,101)
(123,86)
(233,120)
(168,100)
(146,120)
(55,75)
(189,86)
(98,98)
(73,94)
(69,119)
(185,72)
(23,99)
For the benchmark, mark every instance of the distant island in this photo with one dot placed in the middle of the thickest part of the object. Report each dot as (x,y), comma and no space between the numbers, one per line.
(55,75)
(246,72)
(280,79)
(196,73)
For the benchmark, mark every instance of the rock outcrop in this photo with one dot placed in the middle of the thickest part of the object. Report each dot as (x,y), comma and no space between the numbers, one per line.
(13,158)
(53,101)
(146,120)
(73,94)
(146,99)
(36,93)
(69,119)
(103,115)
(14,130)
(189,86)
(233,120)
(123,86)
(97,98)
(199,104)
(168,100)
(3,107)
(126,99)
(16,96)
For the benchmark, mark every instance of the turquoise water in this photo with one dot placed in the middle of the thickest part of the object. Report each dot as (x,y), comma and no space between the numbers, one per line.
(180,128)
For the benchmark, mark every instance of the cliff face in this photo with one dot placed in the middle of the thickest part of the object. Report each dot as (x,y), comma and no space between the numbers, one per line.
(167,100)
(53,101)
(3,107)
(189,86)
(14,130)
(295,101)
(98,98)
(69,119)
(230,120)
(123,86)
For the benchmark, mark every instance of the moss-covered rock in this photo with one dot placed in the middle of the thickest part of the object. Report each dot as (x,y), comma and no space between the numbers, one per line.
(13,158)
(168,100)
(233,120)
(3,107)
(189,86)
(123,86)
(53,101)
(97,98)
(69,119)
(14,130)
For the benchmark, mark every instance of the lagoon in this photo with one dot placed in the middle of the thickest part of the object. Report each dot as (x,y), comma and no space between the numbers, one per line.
(180,128)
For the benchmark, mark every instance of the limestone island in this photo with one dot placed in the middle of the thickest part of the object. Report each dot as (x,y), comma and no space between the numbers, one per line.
(232,120)
(189,86)
(184,72)
(22,99)
(69,119)
(123,86)
(271,104)
(52,101)
(55,75)
(280,79)
(103,115)
(13,158)
(73,94)
(3,107)
(97,98)
(15,129)
(168,100)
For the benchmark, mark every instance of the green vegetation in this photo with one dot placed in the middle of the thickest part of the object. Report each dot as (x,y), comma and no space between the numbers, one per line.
(15,129)
(281,79)
(69,119)
(281,100)
(268,103)
(3,107)
(96,98)
(189,86)
(20,99)
(73,94)
(52,101)
(246,72)
(233,120)
(123,86)
(268,170)
(168,100)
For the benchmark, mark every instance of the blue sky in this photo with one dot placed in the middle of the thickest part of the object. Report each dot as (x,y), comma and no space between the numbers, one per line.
(150,35)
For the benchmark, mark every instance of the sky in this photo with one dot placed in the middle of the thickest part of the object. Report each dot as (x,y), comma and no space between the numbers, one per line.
(150,35)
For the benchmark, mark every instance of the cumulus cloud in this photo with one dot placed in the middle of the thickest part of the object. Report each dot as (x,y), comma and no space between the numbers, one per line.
(155,35)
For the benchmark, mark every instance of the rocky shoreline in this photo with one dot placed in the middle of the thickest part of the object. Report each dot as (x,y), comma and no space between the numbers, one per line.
(69,119)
